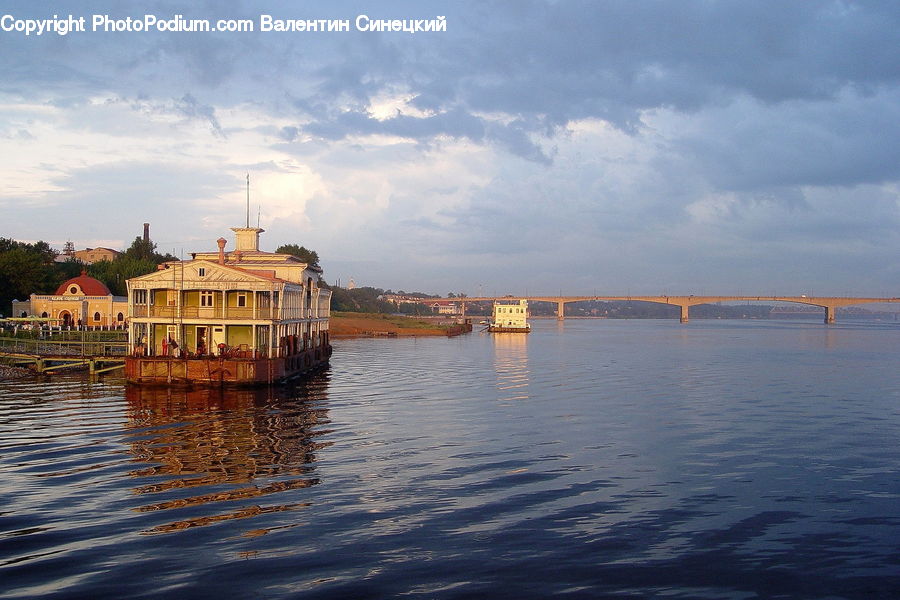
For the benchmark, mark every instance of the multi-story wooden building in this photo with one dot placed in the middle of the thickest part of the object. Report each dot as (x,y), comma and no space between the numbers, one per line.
(245,316)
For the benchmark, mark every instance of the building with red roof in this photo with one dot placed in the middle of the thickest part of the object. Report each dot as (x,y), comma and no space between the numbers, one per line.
(80,301)
(83,285)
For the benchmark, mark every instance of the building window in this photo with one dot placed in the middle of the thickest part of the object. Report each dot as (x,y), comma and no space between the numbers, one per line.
(73,290)
(207,299)
(202,271)
(120,317)
(242,300)
(44,315)
(140,296)
(97,317)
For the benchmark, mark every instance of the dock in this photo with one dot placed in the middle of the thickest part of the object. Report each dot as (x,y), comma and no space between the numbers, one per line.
(48,355)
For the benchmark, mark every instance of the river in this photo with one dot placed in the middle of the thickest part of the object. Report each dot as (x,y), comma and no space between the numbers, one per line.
(588,459)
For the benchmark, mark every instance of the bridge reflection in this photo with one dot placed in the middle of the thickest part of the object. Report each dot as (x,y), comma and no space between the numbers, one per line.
(224,450)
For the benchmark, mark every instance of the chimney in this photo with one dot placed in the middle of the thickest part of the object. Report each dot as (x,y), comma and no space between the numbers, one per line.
(221,242)
(146,233)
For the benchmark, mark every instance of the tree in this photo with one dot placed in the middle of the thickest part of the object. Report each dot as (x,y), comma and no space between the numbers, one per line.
(141,249)
(146,250)
(139,259)
(25,269)
(310,257)
(115,273)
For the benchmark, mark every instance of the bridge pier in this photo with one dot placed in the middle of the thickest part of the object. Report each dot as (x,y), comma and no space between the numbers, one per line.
(829,315)
(560,310)
(684,313)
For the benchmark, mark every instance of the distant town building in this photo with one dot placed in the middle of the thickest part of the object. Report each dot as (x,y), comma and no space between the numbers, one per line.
(90,256)
(399,299)
(444,307)
(80,301)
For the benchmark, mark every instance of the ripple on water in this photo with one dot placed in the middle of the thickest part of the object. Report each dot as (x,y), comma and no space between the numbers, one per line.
(714,460)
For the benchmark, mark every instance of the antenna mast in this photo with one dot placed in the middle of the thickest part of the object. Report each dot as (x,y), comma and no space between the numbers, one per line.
(248,200)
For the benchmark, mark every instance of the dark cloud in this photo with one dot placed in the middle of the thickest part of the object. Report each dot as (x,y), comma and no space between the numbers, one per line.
(749,146)
(190,108)
(455,124)
(542,63)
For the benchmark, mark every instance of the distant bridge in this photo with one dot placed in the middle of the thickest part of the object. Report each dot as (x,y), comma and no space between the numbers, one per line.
(829,303)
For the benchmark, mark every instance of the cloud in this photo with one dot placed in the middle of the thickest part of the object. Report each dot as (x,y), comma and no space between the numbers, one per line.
(189,107)
(748,145)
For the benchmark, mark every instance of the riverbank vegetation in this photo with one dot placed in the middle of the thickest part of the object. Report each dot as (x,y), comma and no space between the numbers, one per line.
(370,300)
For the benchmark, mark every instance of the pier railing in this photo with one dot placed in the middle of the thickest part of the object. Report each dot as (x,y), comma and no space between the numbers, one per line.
(39,347)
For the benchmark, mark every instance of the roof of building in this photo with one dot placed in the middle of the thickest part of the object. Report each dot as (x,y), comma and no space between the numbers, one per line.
(99,248)
(88,285)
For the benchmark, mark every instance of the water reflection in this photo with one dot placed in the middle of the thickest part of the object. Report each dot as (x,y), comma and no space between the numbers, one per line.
(511,365)
(215,447)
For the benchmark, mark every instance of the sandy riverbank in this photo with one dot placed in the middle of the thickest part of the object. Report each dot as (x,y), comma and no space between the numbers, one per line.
(347,324)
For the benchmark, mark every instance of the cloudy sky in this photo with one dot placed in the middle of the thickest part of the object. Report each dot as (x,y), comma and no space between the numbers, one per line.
(535,146)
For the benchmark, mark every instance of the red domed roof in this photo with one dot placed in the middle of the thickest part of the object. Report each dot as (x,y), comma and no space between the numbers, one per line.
(88,286)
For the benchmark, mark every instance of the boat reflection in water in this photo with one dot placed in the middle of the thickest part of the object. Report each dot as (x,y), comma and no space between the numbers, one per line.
(511,366)
(229,452)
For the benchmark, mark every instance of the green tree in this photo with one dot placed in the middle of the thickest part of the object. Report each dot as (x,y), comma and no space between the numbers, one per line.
(146,250)
(361,299)
(141,249)
(310,257)
(139,259)
(25,269)
(115,273)
(66,270)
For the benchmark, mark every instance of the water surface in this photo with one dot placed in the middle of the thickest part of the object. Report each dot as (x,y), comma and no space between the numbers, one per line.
(624,459)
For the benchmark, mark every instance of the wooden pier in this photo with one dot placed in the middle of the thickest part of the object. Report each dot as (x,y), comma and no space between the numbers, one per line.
(47,356)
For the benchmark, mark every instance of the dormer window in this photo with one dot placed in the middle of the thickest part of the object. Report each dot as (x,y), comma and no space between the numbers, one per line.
(73,290)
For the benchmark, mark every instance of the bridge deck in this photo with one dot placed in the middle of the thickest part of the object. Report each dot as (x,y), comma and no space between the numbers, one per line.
(829,303)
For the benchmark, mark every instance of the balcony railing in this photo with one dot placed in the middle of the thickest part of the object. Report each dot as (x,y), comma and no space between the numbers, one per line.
(205,312)
(201,312)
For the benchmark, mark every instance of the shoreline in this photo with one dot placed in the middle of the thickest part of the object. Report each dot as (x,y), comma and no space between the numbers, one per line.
(350,325)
